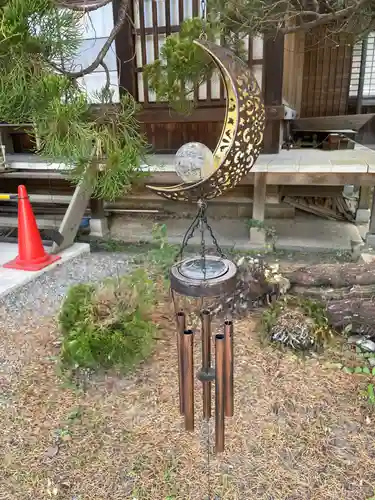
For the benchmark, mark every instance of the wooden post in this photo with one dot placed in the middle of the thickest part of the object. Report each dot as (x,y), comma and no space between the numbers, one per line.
(363,210)
(125,51)
(273,88)
(98,220)
(76,210)
(258,235)
(370,237)
(361,82)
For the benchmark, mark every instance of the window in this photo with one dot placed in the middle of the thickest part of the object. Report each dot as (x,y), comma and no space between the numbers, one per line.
(369,77)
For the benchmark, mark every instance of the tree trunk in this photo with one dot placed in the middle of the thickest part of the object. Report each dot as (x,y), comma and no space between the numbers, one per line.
(326,294)
(358,313)
(347,289)
(333,275)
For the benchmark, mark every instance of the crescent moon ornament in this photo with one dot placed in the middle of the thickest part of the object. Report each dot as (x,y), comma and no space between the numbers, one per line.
(242,134)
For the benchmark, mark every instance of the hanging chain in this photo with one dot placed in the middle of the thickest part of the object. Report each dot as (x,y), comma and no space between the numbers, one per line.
(188,235)
(203,247)
(204,10)
(203,35)
(200,221)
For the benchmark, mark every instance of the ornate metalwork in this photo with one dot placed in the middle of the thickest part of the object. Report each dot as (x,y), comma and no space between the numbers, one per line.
(242,134)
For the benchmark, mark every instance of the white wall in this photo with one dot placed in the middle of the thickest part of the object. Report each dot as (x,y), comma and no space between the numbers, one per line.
(96,27)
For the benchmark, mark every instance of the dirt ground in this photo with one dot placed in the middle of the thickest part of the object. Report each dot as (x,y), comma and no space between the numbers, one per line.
(300,429)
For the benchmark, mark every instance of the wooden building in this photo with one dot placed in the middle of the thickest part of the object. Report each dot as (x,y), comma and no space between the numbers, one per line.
(310,82)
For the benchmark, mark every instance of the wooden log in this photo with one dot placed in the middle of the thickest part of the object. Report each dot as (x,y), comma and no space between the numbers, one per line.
(325,294)
(358,313)
(333,275)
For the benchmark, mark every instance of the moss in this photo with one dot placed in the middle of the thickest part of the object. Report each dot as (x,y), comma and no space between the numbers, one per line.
(109,325)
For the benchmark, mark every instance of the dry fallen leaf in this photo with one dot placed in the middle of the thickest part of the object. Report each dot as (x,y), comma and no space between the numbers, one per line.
(52,451)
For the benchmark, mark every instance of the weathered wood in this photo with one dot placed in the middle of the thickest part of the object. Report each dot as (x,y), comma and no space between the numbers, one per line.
(333,275)
(326,294)
(155,113)
(332,208)
(125,47)
(273,87)
(76,210)
(358,313)
(329,123)
(326,73)
(372,216)
(257,235)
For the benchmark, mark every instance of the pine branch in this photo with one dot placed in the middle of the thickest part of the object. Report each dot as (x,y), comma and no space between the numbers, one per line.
(290,16)
(82,6)
(324,19)
(121,18)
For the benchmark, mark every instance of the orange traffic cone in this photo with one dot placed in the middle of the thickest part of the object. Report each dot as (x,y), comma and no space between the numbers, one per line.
(31,254)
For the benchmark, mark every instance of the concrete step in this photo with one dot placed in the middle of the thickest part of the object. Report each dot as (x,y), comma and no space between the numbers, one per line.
(42,222)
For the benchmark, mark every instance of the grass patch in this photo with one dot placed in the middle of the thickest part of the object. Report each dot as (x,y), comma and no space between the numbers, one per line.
(111,325)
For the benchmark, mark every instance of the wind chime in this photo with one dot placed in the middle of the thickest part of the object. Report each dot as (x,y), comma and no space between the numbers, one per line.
(207,175)
(204,276)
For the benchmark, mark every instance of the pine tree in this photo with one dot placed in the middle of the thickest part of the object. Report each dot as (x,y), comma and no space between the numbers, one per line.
(36,38)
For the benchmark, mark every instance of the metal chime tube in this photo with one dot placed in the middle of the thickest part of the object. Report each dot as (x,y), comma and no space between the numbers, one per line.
(206,362)
(219,392)
(228,369)
(188,379)
(180,317)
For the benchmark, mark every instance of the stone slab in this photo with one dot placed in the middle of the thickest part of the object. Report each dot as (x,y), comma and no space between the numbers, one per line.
(302,233)
(11,279)
(357,160)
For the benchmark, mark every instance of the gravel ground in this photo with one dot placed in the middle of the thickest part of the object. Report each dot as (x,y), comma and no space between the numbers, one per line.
(43,296)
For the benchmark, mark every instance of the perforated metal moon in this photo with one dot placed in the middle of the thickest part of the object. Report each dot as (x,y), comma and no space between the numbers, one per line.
(242,134)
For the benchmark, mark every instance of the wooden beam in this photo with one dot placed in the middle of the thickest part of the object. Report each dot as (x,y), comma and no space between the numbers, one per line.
(212,114)
(282,178)
(329,123)
(125,51)
(76,210)
(362,70)
(273,53)
(370,237)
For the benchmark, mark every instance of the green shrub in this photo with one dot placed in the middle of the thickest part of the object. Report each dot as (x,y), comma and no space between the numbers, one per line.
(76,306)
(109,325)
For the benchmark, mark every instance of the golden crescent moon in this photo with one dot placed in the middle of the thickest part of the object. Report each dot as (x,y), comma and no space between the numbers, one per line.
(242,134)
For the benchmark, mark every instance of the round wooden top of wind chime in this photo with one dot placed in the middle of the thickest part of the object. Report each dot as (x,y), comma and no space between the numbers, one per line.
(208,276)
